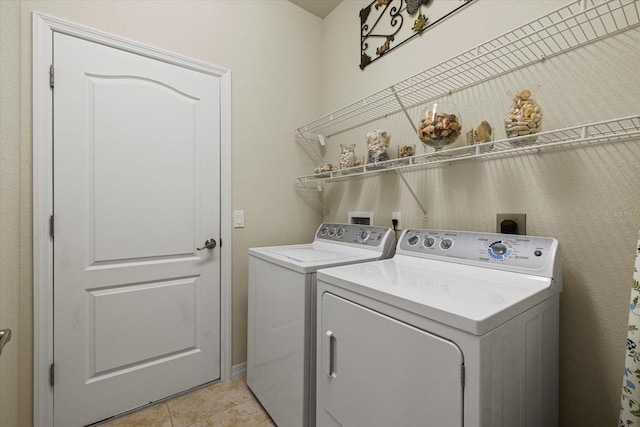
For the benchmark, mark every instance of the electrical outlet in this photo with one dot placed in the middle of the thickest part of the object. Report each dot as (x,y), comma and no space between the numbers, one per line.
(511,223)
(397,216)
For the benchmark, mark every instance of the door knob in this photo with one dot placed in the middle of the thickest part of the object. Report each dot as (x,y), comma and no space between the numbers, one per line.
(5,337)
(209,244)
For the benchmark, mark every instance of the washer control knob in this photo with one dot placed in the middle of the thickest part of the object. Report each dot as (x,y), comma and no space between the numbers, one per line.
(499,248)
(429,242)
(364,236)
(413,240)
(324,230)
(332,231)
(446,244)
(340,232)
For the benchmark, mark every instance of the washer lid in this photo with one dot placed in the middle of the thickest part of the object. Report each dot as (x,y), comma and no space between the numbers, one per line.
(334,244)
(473,299)
(307,254)
(308,258)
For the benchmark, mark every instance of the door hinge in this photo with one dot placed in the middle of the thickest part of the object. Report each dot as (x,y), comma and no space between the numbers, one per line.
(51,76)
(51,376)
(51,233)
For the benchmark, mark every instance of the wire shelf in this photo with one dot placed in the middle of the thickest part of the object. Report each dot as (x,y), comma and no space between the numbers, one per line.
(594,133)
(562,30)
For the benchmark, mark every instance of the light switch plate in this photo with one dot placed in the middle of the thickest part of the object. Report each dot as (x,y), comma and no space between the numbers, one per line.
(238,219)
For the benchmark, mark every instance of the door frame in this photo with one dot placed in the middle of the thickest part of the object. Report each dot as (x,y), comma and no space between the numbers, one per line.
(43,28)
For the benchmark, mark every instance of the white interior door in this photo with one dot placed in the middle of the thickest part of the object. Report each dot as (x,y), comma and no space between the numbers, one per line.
(136,191)
(376,371)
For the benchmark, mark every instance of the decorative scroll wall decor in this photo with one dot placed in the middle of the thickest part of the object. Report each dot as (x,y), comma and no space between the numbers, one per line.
(388,24)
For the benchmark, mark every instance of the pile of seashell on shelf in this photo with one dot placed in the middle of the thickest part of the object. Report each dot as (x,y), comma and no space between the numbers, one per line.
(348,158)
(439,126)
(481,134)
(325,168)
(378,146)
(524,118)
(406,151)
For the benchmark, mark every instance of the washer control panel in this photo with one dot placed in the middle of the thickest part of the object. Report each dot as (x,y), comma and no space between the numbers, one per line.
(508,249)
(366,235)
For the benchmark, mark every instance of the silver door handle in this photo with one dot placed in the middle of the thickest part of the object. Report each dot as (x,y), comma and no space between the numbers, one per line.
(209,244)
(5,337)
(332,355)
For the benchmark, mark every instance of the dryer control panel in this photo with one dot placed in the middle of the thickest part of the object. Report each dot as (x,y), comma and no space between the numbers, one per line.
(365,235)
(491,250)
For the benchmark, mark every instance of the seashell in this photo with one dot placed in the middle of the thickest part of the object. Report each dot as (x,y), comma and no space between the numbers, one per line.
(483,132)
(439,126)
(412,6)
(406,151)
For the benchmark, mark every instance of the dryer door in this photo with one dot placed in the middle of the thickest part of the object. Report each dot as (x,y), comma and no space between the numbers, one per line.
(377,371)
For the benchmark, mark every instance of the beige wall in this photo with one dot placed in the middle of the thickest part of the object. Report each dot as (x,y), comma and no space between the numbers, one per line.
(588,198)
(281,57)
(271,49)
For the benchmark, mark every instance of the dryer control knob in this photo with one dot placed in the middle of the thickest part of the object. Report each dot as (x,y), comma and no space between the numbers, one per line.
(499,249)
(446,243)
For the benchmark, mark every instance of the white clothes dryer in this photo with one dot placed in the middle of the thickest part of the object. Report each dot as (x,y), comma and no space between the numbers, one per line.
(457,329)
(281,315)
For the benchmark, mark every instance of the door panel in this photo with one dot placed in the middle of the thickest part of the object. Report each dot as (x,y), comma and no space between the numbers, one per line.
(162,163)
(136,191)
(377,371)
(168,306)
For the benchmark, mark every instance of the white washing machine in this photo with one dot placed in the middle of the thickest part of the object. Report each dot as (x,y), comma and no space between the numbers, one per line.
(457,329)
(281,318)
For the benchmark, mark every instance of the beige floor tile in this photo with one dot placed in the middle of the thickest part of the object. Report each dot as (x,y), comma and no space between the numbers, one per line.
(153,416)
(248,414)
(207,402)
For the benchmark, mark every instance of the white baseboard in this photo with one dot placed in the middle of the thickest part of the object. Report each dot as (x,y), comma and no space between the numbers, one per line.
(239,370)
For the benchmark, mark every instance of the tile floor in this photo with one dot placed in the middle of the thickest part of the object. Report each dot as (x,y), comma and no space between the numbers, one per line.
(228,404)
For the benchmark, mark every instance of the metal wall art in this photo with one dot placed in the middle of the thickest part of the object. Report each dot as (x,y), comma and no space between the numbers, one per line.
(388,24)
